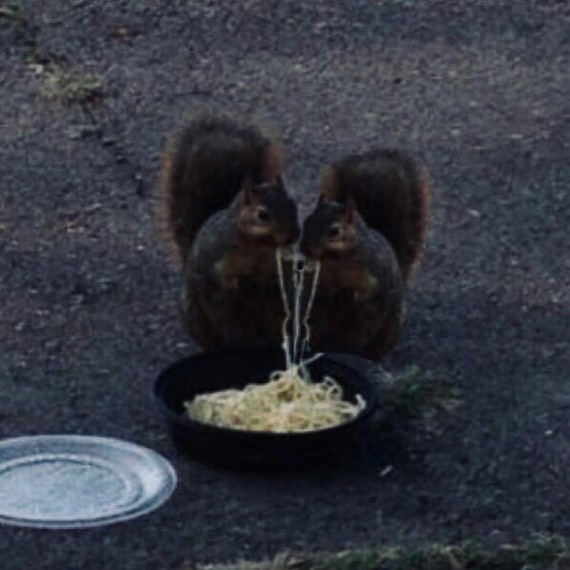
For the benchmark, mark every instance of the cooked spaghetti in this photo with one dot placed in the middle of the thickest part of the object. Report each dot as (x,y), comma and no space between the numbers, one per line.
(287,403)
(290,401)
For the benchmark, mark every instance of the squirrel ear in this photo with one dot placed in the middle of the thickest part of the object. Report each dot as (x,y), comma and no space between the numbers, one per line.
(329,185)
(272,163)
(349,213)
(246,193)
(280,184)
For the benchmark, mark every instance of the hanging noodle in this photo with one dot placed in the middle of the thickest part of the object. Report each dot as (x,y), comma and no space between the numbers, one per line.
(290,401)
(307,339)
(286,338)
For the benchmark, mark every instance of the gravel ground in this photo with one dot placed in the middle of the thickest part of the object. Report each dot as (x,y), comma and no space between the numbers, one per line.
(478,89)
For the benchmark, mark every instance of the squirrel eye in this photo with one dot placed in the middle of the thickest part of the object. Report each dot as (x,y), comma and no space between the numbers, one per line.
(263,214)
(334,231)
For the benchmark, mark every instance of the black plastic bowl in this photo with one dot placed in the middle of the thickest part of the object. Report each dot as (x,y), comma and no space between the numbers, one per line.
(210,372)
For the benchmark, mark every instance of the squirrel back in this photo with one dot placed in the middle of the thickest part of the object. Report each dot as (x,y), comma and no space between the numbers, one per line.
(391,192)
(204,169)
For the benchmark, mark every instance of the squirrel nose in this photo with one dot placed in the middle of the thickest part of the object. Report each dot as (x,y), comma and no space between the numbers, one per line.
(286,236)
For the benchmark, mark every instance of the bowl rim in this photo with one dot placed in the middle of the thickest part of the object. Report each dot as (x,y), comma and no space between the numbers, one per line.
(183,420)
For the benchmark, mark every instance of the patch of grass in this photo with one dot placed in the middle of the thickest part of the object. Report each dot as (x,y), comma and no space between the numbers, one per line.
(62,84)
(14,14)
(538,553)
(414,394)
(68,87)
(284,561)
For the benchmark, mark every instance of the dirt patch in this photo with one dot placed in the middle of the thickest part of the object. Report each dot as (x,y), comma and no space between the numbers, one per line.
(89,298)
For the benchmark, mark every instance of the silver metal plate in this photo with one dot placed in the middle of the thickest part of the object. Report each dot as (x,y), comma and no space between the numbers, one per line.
(73,481)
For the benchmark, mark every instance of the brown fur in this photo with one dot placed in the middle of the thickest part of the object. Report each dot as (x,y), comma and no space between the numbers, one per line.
(203,169)
(232,295)
(368,230)
(392,192)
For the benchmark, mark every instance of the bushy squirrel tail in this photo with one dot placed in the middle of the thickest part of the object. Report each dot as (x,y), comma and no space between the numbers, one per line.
(392,193)
(204,168)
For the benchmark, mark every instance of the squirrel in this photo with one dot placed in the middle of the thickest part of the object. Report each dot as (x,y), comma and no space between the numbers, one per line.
(368,230)
(226,211)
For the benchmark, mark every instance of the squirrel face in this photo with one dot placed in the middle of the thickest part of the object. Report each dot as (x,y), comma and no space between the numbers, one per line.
(330,231)
(267,213)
